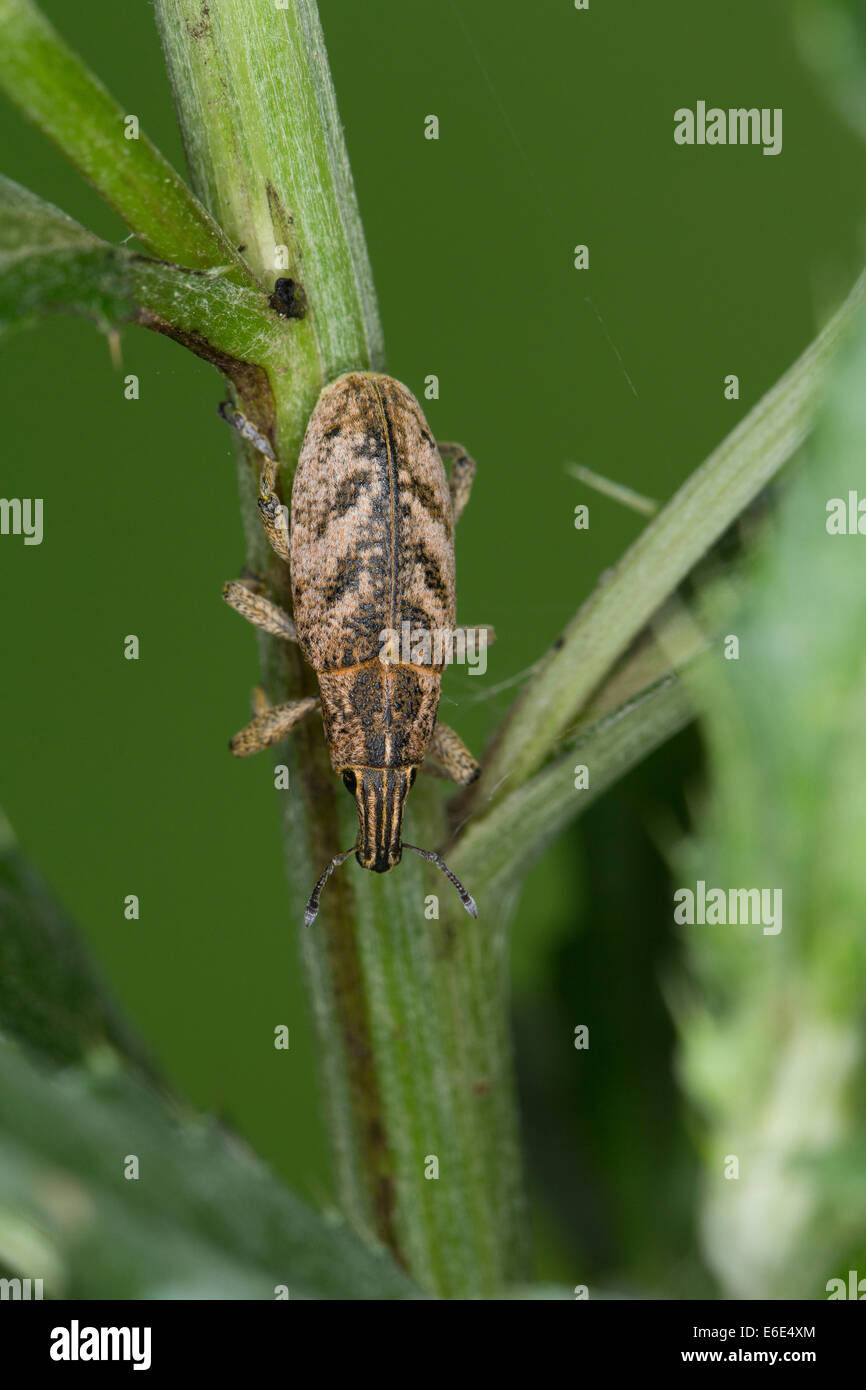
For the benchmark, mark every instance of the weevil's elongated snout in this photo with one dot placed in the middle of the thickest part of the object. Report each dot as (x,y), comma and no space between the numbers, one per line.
(380,796)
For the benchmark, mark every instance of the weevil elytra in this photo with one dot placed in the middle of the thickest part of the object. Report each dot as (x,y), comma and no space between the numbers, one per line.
(371,549)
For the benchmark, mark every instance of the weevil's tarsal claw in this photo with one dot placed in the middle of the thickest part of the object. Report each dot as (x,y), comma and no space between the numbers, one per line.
(312,909)
(466,898)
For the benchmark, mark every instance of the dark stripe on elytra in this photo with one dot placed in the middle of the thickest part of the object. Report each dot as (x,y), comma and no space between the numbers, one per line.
(418,616)
(345,579)
(430,565)
(392,492)
(350,489)
(345,498)
(425,496)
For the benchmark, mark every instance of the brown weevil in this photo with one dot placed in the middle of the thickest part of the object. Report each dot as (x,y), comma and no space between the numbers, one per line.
(371,553)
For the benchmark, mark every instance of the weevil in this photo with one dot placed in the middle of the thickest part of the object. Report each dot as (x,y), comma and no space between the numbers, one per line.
(370,549)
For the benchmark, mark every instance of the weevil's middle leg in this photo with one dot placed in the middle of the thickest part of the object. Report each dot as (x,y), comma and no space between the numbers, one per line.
(271,723)
(460,477)
(259,610)
(451,757)
(273,515)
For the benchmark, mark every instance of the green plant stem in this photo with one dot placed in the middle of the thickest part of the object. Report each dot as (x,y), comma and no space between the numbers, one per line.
(659,560)
(410,1010)
(55,90)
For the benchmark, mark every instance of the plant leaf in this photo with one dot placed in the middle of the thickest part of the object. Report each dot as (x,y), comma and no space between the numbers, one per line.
(49,262)
(52,87)
(771,1020)
(670,546)
(832,41)
(500,848)
(203,1218)
(50,995)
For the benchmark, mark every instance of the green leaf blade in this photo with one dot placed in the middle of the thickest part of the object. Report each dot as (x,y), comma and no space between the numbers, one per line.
(50,84)
(49,263)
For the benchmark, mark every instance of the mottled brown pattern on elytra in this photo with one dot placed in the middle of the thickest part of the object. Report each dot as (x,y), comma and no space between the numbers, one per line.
(372,548)
(372,535)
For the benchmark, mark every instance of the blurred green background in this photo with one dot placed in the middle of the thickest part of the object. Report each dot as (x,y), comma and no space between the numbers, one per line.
(556,128)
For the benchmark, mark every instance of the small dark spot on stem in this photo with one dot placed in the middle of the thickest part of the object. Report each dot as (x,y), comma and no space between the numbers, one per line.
(288,299)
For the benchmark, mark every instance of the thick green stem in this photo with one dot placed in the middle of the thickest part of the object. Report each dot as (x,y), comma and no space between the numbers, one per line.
(410,1008)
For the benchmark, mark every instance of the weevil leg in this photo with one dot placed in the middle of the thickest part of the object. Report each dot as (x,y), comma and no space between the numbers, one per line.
(472,638)
(460,476)
(246,429)
(259,610)
(450,757)
(253,581)
(274,521)
(271,724)
(259,701)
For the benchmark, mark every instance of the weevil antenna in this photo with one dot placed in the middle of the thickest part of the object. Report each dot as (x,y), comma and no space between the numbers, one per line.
(466,898)
(312,909)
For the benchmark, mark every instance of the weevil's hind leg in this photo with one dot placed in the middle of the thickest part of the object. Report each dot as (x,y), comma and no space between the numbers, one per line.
(450,757)
(271,723)
(273,515)
(259,610)
(460,476)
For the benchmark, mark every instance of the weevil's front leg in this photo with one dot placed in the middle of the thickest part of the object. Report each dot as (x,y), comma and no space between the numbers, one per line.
(451,757)
(271,723)
(460,476)
(273,516)
(259,610)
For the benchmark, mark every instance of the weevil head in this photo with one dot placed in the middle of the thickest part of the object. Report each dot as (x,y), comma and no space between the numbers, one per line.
(380,796)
